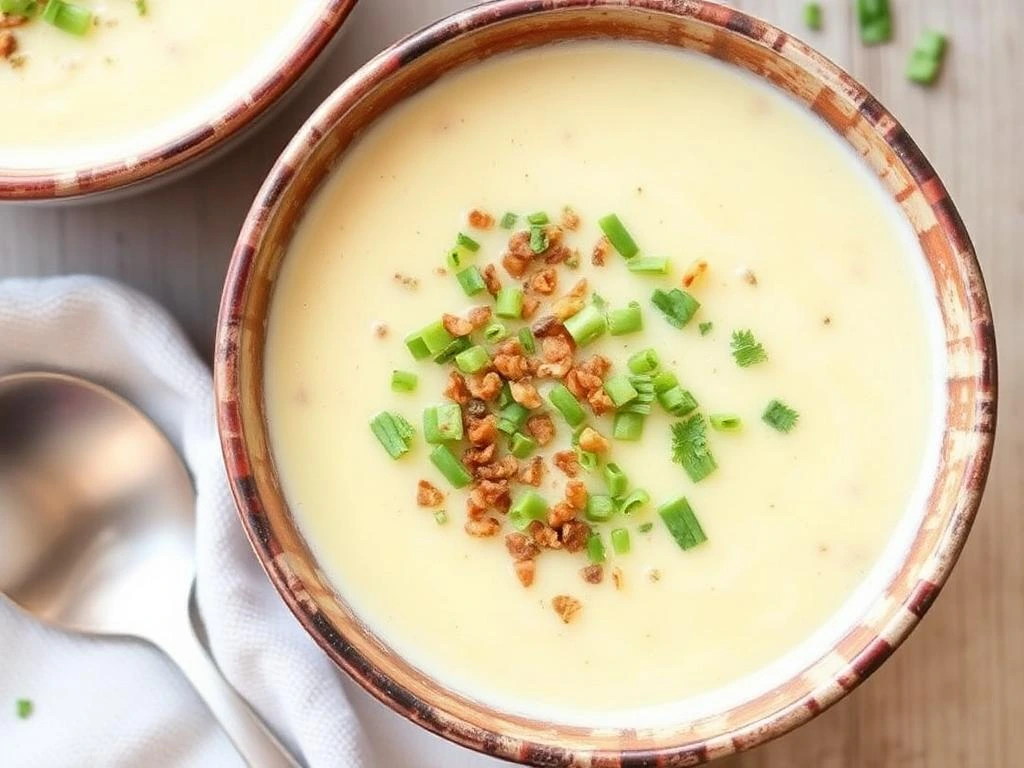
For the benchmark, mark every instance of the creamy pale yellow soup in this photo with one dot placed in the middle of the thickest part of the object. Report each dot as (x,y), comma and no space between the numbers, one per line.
(133,79)
(700,162)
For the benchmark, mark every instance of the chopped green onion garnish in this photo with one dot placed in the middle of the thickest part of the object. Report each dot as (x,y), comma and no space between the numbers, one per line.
(508,221)
(509,303)
(649,265)
(726,422)
(644,361)
(461,344)
(619,389)
(628,426)
(645,527)
(521,446)
(393,432)
(677,305)
(682,523)
(599,508)
(472,360)
(450,466)
(471,280)
(644,386)
(705,328)
(812,15)
(599,301)
(690,448)
(539,239)
(677,401)
(926,58)
(616,480)
(595,549)
(403,381)
(874,21)
(746,349)
(636,499)
(24,708)
(780,416)
(441,516)
(626,320)
(495,332)
(141,7)
(465,241)
(417,347)
(620,541)
(512,418)
(459,258)
(586,325)
(540,218)
(567,405)
(18,7)
(505,396)
(587,460)
(67,17)
(435,337)
(876,32)
(442,422)
(618,236)
(527,508)
(664,380)
(527,341)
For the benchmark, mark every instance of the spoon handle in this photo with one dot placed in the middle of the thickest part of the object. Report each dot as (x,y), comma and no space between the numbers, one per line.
(250,735)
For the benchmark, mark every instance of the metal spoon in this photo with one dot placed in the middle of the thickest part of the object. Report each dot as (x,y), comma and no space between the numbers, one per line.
(97,512)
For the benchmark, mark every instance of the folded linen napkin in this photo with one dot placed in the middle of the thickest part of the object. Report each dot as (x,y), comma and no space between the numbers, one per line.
(103,702)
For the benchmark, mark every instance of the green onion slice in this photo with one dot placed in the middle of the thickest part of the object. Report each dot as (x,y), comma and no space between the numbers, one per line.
(677,305)
(682,523)
(595,549)
(393,432)
(620,541)
(618,236)
(616,480)
(637,498)
(626,320)
(600,508)
(450,466)
(726,422)
(644,361)
(526,508)
(567,405)
(403,381)
(586,325)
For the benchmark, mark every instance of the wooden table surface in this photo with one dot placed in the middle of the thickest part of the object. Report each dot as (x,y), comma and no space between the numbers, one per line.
(954,694)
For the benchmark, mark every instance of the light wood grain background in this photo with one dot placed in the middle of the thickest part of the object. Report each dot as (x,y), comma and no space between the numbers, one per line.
(954,694)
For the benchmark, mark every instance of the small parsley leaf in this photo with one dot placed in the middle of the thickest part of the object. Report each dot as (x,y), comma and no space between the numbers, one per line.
(746,349)
(780,416)
(705,328)
(690,448)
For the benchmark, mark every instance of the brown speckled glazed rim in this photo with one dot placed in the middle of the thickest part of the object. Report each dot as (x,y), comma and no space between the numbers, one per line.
(77,181)
(836,98)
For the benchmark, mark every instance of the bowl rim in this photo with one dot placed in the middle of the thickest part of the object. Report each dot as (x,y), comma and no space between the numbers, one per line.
(69,182)
(915,599)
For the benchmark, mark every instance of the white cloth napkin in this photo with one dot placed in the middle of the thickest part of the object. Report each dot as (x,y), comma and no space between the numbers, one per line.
(101,702)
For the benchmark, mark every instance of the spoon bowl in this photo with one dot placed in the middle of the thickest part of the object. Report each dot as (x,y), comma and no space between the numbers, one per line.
(99,504)
(97,509)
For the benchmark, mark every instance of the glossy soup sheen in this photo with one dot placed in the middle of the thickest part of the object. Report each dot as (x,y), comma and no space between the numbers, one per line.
(108,93)
(700,162)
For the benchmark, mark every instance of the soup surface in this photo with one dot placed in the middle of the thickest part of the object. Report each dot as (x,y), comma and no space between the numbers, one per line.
(134,78)
(699,162)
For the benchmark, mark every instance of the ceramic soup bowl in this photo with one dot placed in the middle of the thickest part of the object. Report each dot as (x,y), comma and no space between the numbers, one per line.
(936,539)
(182,142)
